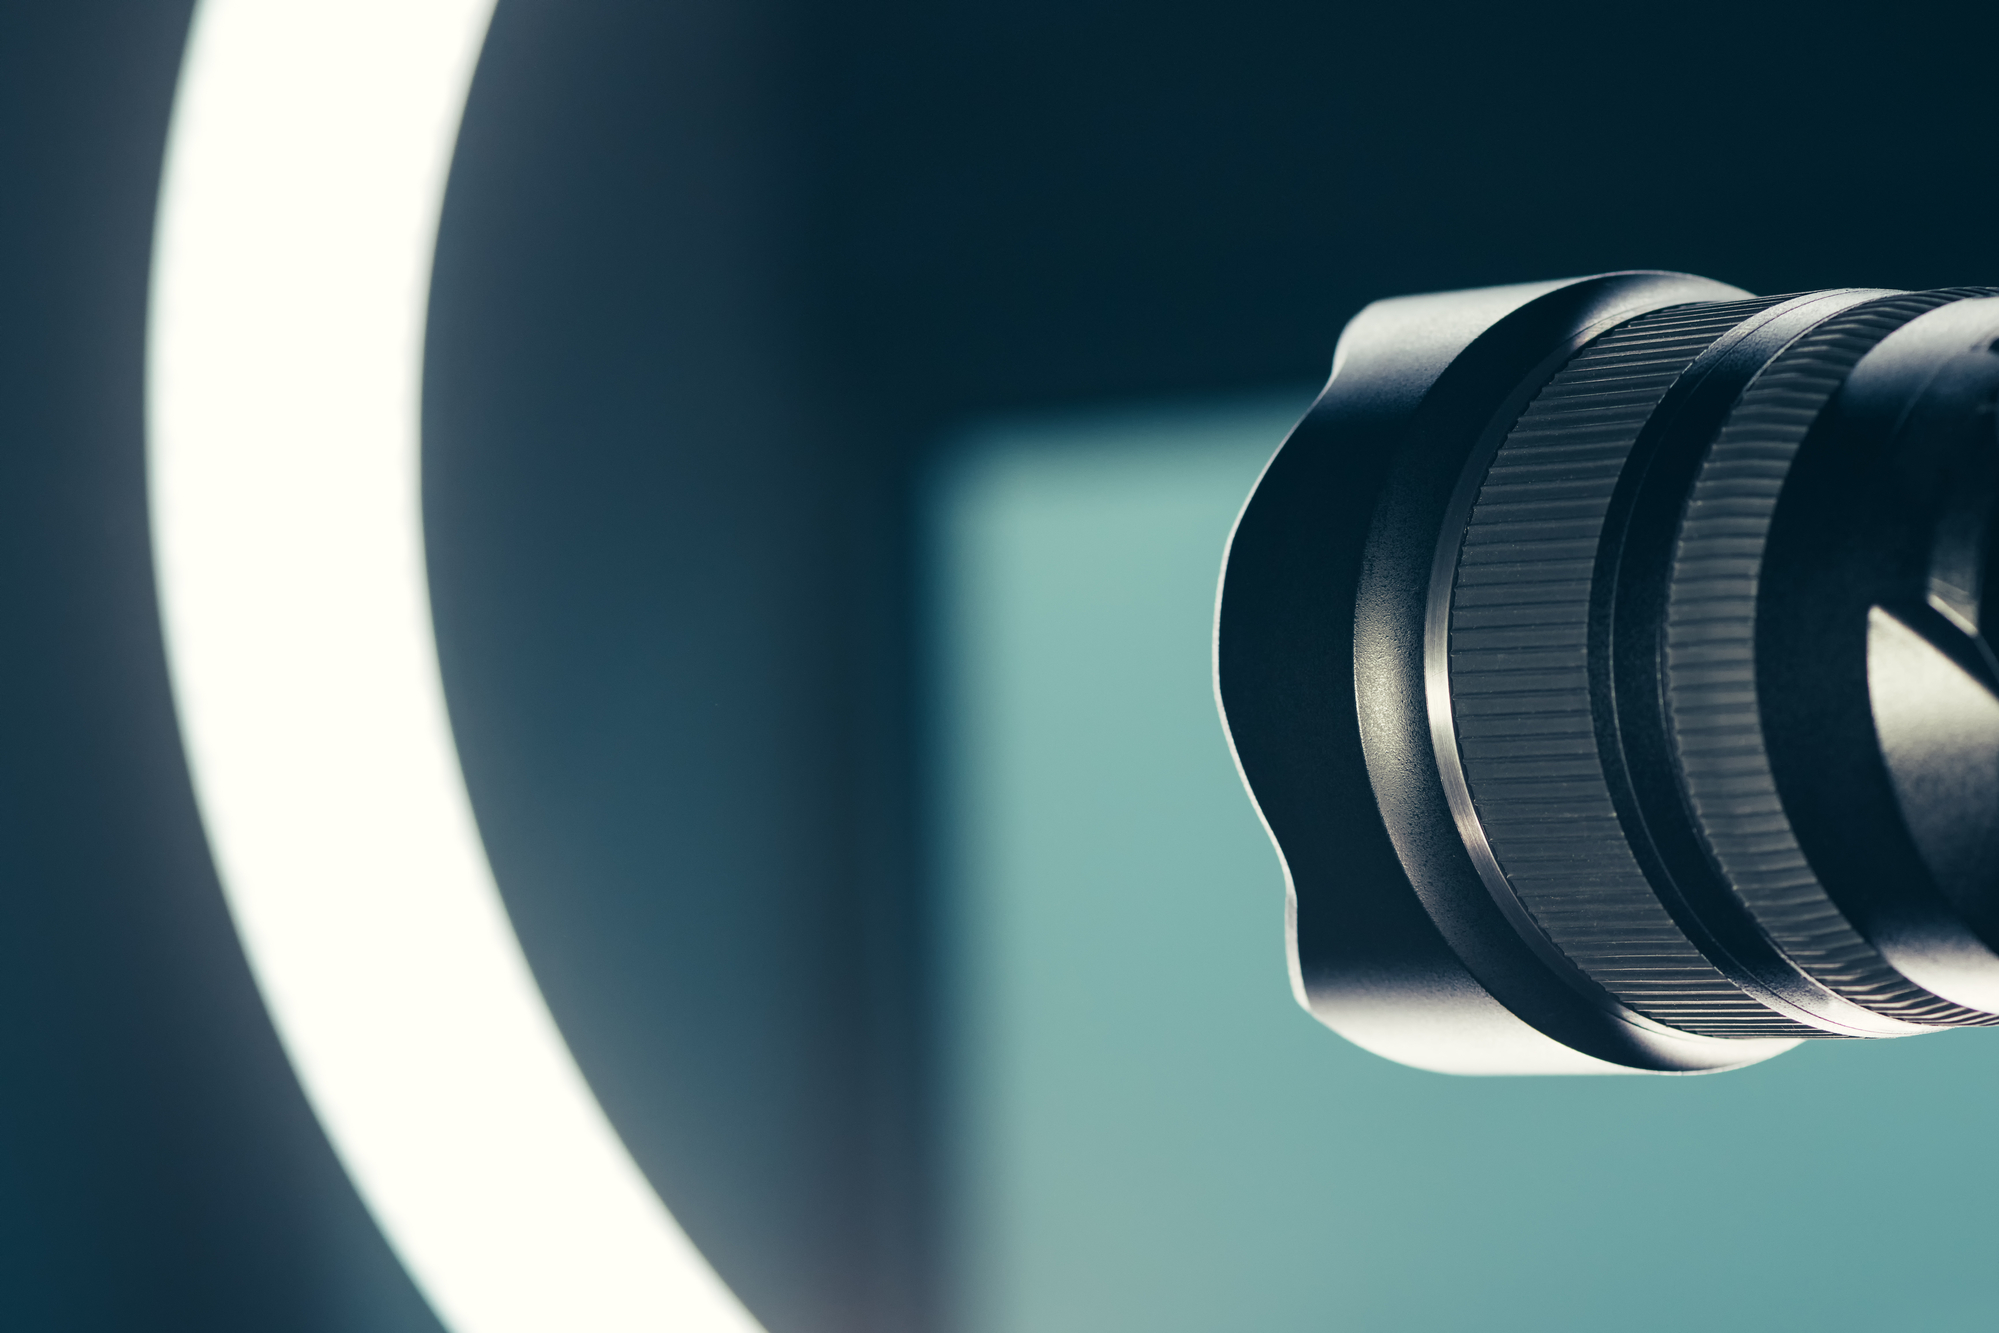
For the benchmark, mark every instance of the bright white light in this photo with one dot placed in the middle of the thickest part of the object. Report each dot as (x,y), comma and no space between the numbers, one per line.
(304,178)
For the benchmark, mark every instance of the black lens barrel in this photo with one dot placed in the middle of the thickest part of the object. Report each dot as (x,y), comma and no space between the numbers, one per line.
(1608,661)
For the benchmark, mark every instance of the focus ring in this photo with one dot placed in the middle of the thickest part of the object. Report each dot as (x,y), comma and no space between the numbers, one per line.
(1709,673)
(1520,689)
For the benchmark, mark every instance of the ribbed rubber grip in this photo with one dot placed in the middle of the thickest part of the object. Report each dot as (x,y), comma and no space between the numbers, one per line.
(1519,670)
(1714,721)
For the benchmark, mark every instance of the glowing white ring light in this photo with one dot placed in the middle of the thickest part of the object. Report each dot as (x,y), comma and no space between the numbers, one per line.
(305,173)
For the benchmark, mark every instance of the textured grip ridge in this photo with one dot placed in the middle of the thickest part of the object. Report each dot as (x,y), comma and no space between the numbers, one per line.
(1709,664)
(1520,690)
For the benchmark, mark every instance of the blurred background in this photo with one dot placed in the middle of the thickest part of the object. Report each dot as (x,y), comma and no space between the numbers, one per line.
(834,415)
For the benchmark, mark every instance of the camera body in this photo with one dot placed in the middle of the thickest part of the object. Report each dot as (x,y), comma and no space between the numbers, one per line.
(1605,659)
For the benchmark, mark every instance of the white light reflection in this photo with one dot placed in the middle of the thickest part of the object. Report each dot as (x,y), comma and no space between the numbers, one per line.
(304,177)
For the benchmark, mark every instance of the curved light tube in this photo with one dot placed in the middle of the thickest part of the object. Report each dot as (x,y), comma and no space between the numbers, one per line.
(305,174)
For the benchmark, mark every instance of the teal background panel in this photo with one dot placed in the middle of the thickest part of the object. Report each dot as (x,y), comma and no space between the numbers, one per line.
(1146,1133)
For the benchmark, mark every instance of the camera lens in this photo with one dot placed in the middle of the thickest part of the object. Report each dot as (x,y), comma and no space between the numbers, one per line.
(1609,662)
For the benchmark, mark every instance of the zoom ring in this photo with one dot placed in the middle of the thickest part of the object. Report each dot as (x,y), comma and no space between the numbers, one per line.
(1520,687)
